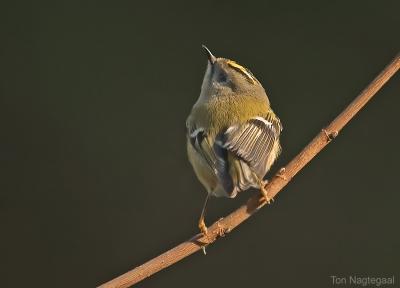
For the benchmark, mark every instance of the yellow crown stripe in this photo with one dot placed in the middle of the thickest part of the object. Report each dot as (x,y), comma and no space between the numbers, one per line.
(241,69)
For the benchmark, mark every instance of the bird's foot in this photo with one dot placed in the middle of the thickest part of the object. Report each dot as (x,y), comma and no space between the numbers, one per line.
(222,231)
(264,192)
(203,227)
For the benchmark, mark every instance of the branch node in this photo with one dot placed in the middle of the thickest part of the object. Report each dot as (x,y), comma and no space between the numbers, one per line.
(281,174)
(330,135)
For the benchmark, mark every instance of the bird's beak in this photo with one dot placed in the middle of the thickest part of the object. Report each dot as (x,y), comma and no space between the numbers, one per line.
(210,56)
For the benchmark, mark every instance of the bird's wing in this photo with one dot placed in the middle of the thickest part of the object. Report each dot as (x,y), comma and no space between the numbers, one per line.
(253,141)
(214,155)
(200,142)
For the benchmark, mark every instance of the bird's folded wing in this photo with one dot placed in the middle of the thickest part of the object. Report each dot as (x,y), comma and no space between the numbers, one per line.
(214,155)
(200,142)
(253,141)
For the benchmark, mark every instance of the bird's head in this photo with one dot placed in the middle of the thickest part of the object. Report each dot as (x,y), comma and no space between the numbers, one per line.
(226,77)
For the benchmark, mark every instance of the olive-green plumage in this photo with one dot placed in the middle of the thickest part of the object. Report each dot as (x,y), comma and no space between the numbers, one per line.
(233,134)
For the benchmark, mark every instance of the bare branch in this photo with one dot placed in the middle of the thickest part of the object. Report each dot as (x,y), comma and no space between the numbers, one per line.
(279,181)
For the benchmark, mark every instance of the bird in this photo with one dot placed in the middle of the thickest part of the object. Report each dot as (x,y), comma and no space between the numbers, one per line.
(232,132)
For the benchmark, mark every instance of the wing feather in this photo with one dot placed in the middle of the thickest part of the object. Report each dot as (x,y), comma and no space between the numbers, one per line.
(254,141)
(240,151)
(215,156)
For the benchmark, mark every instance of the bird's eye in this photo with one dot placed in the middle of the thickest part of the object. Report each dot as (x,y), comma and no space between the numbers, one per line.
(222,77)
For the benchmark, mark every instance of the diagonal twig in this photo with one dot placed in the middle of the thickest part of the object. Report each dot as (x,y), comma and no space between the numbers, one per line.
(225,225)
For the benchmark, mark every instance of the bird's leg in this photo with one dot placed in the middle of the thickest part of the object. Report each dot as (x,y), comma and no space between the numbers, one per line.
(202,224)
(264,192)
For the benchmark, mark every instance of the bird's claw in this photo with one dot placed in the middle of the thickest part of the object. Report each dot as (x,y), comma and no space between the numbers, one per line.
(221,232)
(265,197)
(203,227)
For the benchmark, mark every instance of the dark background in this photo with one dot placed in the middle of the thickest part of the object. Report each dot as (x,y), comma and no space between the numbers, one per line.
(95,178)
